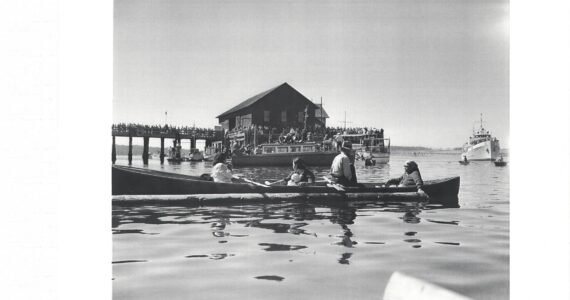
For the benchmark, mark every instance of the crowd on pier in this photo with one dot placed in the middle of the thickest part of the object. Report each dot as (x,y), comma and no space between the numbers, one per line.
(287,135)
(133,128)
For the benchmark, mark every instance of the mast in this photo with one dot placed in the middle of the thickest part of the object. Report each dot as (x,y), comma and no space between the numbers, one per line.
(321,111)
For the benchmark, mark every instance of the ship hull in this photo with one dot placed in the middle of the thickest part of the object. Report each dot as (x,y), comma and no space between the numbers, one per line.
(487,150)
(284,159)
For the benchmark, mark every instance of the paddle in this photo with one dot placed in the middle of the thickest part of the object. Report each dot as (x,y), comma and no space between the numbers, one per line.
(272,183)
(337,186)
(250,181)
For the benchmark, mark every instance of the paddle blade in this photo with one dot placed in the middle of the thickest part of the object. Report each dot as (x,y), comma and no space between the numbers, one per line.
(403,287)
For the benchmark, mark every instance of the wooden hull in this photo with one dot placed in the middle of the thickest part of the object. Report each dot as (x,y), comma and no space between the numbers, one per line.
(500,163)
(156,185)
(284,159)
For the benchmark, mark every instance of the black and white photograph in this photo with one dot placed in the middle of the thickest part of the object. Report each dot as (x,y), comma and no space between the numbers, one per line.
(285,149)
(310,150)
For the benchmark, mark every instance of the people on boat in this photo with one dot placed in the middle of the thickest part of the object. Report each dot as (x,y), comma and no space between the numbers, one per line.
(339,142)
(341,171)
(301,174)
(500,159)
(465,158)
(221,172)
(410,177)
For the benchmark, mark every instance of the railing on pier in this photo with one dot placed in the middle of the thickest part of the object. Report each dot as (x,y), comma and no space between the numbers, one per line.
(136,130)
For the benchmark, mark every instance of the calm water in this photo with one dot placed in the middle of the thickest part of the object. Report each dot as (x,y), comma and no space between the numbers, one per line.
(300,251)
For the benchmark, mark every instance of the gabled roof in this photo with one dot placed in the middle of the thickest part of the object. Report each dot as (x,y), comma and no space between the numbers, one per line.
(256,98)
(319,110)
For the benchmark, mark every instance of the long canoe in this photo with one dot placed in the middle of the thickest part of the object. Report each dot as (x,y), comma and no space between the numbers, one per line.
(131,184)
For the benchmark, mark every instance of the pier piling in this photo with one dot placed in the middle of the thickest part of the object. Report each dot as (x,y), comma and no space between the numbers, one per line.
(114,152)
(162,150)
(130,150)
(145,150)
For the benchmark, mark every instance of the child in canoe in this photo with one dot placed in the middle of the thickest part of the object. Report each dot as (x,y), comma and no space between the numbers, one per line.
(300,175)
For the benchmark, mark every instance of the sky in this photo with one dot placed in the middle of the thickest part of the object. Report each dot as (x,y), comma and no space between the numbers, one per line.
(424,70)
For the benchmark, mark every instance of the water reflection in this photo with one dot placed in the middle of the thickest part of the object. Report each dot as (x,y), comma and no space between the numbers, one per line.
(281,247)
(344,259)
(214,256)
(270,277)
(128,261)
(292,219)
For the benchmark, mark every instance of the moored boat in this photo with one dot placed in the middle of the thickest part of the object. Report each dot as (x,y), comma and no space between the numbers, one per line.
(283,155)
(500,163)
(196,155)
(370,146)
(136,184)
(481,145)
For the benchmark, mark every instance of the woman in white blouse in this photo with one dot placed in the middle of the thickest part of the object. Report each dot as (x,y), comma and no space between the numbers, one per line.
(220,170)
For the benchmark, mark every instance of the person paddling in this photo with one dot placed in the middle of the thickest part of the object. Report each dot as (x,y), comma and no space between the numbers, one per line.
(301,174)
(410,177)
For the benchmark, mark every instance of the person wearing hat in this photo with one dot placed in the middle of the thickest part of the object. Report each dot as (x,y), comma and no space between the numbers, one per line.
(341,172)
(410,177)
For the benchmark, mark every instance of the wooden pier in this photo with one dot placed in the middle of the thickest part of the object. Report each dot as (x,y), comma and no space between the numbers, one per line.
(147,132)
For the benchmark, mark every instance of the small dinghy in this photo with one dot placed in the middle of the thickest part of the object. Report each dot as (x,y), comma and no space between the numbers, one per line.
(500,162)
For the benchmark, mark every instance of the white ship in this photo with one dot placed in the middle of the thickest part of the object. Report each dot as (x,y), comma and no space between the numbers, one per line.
(481,146)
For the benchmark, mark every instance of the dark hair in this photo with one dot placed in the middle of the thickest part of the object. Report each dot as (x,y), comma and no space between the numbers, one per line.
(299,163)
(219,158)
(412,165)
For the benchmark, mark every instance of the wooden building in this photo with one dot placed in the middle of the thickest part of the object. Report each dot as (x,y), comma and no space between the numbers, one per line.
(279,107)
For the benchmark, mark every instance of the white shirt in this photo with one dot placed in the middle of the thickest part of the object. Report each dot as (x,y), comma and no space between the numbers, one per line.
(341,166)
(221,173)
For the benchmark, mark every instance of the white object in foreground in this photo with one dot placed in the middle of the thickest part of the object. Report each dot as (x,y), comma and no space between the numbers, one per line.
(404,287)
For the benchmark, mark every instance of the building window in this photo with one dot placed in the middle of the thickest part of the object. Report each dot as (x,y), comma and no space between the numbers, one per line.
(284,116)
(301,117)
(266,116)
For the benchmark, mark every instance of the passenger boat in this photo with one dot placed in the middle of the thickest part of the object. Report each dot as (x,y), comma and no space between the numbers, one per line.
(283,155)
(209,153)
(369,146)
(175,155)
(135,185)
(175,160)
(481,145)
(196,155)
